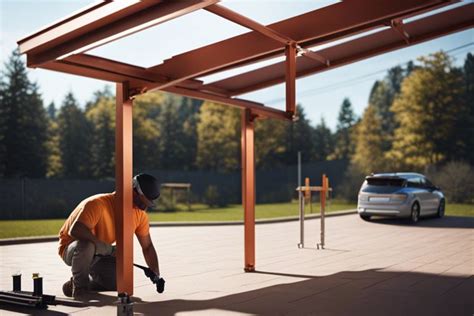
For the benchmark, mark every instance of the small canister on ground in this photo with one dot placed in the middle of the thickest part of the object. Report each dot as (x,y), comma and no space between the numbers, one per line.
(16,282)
(37,285)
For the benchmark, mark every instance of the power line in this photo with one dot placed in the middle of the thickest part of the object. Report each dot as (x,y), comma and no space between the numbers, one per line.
(360,79)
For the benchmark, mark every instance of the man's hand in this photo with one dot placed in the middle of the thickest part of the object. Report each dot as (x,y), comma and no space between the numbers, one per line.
(103,249)
(160,283)
(154,277)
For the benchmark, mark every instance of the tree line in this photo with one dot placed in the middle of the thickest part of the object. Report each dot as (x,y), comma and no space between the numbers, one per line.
(170,132)
(418,115)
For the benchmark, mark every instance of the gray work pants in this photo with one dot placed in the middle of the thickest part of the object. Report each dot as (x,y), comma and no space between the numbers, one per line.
(88,270)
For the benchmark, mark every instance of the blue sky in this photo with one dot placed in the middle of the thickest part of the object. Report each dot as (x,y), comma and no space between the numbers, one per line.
(320,95)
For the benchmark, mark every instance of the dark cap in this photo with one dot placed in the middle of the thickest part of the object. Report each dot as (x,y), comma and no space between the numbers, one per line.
(148,185)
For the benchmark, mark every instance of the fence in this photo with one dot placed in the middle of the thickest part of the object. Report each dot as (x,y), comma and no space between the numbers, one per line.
(56,198)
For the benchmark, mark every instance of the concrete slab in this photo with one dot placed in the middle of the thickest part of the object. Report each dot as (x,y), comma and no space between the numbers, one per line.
(381,267)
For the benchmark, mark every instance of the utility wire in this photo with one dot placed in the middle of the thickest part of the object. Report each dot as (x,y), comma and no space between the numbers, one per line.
(360,79)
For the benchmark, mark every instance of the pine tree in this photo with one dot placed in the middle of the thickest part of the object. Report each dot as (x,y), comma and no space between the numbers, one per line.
(381,98)
(170,143)
(3,125)
(101,116)
(299,137)
(24,123)
(51,110)
(323,141)
(55,168)
(74,139)
(346,120)
(218,137)
(465,130)
(427,111)
(369,154)
(190,118)
(146,131)
(270,143)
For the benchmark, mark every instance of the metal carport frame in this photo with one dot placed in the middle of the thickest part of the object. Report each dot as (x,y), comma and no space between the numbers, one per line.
(62,46)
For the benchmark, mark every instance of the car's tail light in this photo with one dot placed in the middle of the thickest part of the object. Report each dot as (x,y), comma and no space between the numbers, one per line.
(363,197)
(398,197)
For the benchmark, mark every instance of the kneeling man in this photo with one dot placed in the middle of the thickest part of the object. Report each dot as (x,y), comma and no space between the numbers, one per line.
(86,238)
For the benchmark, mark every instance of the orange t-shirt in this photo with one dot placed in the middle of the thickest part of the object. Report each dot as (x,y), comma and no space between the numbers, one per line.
(98,214)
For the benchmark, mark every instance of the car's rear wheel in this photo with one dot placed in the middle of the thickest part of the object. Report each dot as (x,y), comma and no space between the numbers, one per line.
(441,207)
(365,217)
(415,213)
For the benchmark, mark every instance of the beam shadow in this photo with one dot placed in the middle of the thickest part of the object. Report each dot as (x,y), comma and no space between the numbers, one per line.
(369,292)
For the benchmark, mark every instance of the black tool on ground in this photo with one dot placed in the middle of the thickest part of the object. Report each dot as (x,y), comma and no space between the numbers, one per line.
(32,299)
(160,282)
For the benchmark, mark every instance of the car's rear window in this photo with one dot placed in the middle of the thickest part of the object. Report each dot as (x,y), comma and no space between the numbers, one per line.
(382,185)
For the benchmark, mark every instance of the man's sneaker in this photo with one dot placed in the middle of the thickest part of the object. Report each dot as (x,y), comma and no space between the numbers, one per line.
(67,288)
(82,294)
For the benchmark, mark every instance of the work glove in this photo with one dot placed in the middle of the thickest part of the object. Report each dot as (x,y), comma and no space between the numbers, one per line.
(103,249)
(160,283)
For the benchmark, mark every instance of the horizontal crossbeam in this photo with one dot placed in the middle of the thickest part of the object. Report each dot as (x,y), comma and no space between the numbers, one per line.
(421,30)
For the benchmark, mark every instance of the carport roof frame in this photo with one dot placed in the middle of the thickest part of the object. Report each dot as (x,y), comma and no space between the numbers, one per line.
(63,45)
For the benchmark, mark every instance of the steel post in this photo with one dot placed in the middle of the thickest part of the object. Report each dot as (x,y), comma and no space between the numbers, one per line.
(123,189)
(248,188)
(290,79)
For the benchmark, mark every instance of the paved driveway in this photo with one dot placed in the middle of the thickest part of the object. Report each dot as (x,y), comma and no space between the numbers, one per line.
(368,268)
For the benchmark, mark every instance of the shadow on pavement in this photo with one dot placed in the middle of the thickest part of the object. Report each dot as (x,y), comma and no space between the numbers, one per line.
(445,222)
(28,310)
(369,292)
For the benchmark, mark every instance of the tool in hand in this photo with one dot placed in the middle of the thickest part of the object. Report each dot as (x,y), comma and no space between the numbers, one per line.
(160,282)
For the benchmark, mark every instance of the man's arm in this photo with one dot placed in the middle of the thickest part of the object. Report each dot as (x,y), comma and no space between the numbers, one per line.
(149,253)
(81,232)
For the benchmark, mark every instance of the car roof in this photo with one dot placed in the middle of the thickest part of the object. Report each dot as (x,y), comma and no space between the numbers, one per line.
(400,175)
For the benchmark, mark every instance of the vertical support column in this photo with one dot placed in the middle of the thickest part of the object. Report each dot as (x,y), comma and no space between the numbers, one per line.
(290,77)
(123,188)
(248,188)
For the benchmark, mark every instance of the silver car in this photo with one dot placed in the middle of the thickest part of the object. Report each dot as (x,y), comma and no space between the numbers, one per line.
(405,194)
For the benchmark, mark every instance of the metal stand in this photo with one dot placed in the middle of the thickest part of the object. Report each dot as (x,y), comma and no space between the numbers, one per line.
(324,189)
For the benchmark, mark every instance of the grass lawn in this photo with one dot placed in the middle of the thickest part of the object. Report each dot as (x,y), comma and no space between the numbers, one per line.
(17,228)
(201,212)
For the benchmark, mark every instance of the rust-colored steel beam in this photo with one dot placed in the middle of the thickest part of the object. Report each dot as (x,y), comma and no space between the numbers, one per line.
(92,72)
(140,79)
(315,27)
(248,188)
(248,23)
(313,55)
(123,189)
(98,27)
(256,108)
(397,25)
(115,66)
(421,30)
(290,79)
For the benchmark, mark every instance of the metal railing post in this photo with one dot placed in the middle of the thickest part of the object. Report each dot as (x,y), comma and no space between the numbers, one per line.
(324,190)
(301,209)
